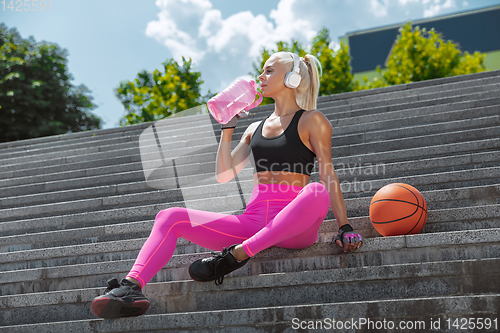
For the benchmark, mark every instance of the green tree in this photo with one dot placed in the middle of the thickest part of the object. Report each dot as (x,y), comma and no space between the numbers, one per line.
(420,55)
(336,75)
(36,96)
(336,69)
(157,95)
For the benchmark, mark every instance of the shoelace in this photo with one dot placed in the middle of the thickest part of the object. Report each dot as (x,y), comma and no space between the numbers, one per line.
(219,265)
(112,284)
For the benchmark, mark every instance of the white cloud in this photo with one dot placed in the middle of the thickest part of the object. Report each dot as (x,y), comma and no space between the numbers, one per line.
(187,27)
(224,47)
(404,2)
(437,7)
(289,23)
(433,7)
(334,45)
(379,7)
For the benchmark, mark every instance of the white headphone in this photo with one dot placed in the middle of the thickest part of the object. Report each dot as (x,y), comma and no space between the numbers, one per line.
(292,79)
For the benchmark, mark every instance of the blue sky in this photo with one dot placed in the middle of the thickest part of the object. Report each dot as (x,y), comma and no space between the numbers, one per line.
(109,41)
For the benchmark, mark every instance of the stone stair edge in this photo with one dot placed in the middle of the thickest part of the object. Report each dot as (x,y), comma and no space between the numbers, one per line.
(374,132)
(93,150)
(36,164)
(417,181)
(371,244)
(266,280)
(369,136)
(411,151)
(362,223)
(379,244)
(124,136)
(412,97)
(425,163)
(321,99)
(428,92)
(108,200)
(281,317)
(432,196)
(24,167)
(413,85)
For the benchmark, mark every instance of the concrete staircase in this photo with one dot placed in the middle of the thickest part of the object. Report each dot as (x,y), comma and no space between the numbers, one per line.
(76,209)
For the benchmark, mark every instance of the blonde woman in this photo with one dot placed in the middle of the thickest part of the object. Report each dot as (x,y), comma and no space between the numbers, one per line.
(284,210)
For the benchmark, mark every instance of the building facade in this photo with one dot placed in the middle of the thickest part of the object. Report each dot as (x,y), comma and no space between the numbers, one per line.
(477,30)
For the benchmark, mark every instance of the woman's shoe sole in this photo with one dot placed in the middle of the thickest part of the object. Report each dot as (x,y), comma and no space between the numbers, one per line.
(109,308)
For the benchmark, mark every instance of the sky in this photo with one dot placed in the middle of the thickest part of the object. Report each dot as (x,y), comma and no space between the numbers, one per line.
(109,41)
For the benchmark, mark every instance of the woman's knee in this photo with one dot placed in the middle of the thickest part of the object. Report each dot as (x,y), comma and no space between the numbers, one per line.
(317,190)
(318,195)
(168,217)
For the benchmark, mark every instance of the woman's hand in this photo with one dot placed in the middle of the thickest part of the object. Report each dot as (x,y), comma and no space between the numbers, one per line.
(348,239)
(231,123)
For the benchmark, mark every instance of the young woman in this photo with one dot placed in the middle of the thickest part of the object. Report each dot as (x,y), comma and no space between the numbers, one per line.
(284,210)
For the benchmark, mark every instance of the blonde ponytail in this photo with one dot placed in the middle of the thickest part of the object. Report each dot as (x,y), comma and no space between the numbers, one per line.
(306,94)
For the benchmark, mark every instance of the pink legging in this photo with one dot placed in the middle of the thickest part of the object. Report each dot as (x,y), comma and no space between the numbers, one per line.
(276,215)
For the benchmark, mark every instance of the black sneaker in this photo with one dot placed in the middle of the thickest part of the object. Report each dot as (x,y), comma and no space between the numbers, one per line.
(214,268)
(123,299)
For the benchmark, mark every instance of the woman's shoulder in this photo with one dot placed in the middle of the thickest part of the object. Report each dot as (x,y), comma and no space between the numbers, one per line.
(247,135)
(315,119)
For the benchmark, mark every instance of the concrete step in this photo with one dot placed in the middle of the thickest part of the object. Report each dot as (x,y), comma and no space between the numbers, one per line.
(417,313)
(408,142)
(460,112)
(136,175)
(356,206)
(457,219)
(346,113)
(224,198)
(353,97)
(430,279)
(449,210)
(425,86)
(469,87)
(129,238)
(371,129)
(457,245)
(416,130)
(426,93)
(367,115)
(418,141)
(93,147)
(482,103)
(347,172)
(405,162)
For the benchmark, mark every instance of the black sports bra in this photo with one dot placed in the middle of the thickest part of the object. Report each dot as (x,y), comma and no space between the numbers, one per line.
(285,152)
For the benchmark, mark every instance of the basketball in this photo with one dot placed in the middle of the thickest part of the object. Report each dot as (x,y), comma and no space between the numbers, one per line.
(398,209)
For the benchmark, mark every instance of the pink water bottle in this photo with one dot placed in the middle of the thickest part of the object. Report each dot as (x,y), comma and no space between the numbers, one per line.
(238,98)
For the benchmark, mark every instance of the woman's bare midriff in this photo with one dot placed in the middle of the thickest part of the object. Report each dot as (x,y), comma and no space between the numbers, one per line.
(280,177)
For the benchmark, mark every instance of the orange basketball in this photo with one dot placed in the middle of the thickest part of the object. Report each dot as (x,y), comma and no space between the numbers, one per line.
(398,209)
